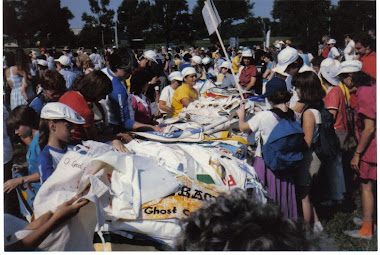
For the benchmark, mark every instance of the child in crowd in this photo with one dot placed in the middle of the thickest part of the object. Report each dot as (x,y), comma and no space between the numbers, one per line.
(56,128)
(24,121)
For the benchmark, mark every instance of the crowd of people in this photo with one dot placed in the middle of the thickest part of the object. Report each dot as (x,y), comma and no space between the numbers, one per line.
(55,100)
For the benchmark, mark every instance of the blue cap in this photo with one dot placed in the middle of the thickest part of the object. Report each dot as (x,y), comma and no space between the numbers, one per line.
(274,85)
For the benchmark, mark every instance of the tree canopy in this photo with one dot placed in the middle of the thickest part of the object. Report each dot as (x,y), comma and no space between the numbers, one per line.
(37,20)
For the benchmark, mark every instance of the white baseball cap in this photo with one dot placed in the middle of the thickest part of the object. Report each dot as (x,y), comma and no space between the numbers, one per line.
(151,55)
(225,65)
(64,60)
(329,69)
(285,58)
(197,59)
(188,70)
(42,62)
(175,76)
(331,41)
(58,111)
(247,53)
(206,60)
(350,66)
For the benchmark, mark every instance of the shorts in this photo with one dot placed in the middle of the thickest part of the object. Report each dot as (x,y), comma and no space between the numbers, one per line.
(368,170)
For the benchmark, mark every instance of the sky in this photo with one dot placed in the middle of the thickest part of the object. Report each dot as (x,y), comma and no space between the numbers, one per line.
(77,7)
(261,8)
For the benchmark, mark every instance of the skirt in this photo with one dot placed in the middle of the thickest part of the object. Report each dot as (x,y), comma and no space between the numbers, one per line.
(280,190)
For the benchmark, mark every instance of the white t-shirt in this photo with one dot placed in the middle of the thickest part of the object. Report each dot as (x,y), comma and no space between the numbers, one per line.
(167,96)
(335,52)
(262,125)
(347,55)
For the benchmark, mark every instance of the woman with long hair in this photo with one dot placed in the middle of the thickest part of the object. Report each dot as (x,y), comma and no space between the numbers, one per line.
(18,76)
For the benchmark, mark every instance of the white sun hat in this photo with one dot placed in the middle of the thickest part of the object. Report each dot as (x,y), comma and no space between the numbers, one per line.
(175,76)
(331,41)
(197,59)
(329,69)
(225,65)
(59,111)
(247,53)
(206,60)
(285,58)
(188,70)
(151,55)
(350,66)
(64,60)
(42,62)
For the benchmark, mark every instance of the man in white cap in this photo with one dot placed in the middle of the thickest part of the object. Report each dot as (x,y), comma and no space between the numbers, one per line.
(334,53)
(167,93)
(288,64)
(64,68)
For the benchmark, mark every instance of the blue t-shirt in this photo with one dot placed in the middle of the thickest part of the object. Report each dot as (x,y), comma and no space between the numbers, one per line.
(32,156)
(69,77)
(48,161)
(119,104)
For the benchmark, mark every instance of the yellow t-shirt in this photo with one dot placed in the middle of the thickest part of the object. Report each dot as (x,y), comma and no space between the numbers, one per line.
(183,91)
(234,61)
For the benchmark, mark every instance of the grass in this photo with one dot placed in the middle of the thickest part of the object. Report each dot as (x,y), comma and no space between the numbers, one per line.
(335,220)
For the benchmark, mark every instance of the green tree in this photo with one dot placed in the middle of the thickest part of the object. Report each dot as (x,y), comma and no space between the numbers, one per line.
(42,20)
(171,20)
(308,21)
(135,18)
(99,27)
(352,17)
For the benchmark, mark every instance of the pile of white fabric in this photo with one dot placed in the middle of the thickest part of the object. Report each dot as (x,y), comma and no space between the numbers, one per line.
(142,193)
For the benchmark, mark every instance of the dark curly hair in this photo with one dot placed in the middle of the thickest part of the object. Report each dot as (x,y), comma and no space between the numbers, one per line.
(53,80)
(23,115)
(232,222)
(139,79)
(21,60)
(280,97)
(310,87)
(93,86)
(362,79)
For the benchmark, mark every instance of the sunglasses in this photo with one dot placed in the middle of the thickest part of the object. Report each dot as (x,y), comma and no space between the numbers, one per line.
(346,75)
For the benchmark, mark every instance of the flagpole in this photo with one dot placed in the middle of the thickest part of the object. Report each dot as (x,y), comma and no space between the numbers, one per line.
(224,50)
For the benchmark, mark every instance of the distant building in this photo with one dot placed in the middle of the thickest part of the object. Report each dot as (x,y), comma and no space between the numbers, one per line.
(76,31)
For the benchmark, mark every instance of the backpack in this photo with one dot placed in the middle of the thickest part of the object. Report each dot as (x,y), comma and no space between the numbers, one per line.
(327,145)
(285,145)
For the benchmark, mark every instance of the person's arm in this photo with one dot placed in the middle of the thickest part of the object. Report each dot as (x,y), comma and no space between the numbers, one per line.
(92,134)
(162,105)
(13,183)
(308,124)
(251,83)
(63,213)
(24,84)
(185,101)
(243,125)
(367,135)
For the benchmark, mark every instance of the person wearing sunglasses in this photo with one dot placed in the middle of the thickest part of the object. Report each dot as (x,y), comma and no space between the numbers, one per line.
(185,94)
(166,97)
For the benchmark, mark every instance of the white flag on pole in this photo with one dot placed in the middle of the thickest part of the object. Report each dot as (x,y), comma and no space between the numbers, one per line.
(209,16)
(268,39)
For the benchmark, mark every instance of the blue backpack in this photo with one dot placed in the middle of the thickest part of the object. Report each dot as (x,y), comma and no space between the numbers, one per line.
(285,146)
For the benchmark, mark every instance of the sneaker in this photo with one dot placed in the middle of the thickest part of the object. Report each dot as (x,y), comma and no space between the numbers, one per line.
(357,221)
(355,234)
(317,227)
